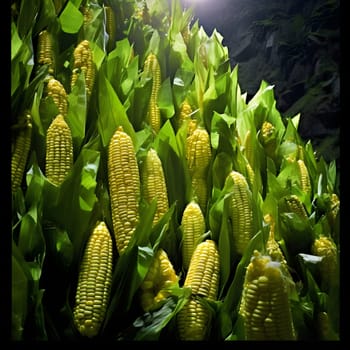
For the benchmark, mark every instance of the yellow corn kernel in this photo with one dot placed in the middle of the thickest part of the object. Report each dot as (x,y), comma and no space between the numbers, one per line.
(325,247)
(240,211)
(198,152)
(152,70)
(193,227)
(265,305)
(153,183)
(184,113)
(194,319)
(56,90)
(295,205)
(20,152)
(111,27)
(272,247)
(160,276)
(94,282)
(59,150)
(333,211)
(304,178)
(45,52)
(83,62)
(268,139)
(124,187)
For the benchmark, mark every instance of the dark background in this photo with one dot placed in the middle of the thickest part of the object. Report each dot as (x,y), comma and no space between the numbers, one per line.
(291,44)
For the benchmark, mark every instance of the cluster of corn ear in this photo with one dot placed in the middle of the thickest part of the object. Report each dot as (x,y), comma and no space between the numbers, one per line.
(192,228)
(84,63)
(195,318)
(198,156)
(124,187)
(154,184)
(265,305)
(56,90)
(152,70)
(325,248)
(155,287)
(45,51)
(59,150)
(94,282)
(20,151)
(240,211)
(111,26)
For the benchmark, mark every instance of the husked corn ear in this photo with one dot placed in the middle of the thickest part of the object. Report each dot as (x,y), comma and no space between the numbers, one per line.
(45,52)
(304,176)
(193,227)
(265,305)
(153,183)
(94,282)
(334,208)
(267,138)
(83,62)
(325,247)
(186,34)
(250,175)
(295,205)
(194,319)
(111,27)
(142,13)
(240,211)
(160,276)
(248,148)
(124,187)
(20,151)
(198,152)
(272,247)
(56,90)
(59,150)
(87,14)
(184,113)
(152,70)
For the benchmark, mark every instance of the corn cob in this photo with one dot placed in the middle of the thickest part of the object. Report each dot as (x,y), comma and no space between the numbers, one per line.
(186,34)
(265,306)
(83,62)
(333,211)
(59,150)
(87,14)
(240,211)
(153,183)
(184,113)
(152,70)
(295,205)
(267,138)
(94,282)
(160,276)
(45,52)
(56,90)
(124,187)
(248,148)
(111,27)
(273,249)
(198,152)
(250,175)
(325,247)
(194,319)
(193,227)
(20,152)
(304,177)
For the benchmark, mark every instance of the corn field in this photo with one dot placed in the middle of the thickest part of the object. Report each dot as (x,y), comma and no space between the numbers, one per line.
(151,200)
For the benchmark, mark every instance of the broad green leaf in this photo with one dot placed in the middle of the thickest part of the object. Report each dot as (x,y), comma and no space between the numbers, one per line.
(71,19)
